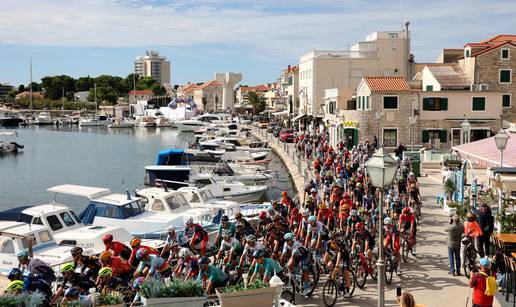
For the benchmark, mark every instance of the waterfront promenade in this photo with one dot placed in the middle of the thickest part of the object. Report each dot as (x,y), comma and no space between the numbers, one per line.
(426,275)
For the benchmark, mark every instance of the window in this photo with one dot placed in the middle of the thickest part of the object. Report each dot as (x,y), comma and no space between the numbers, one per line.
(429,88)
(479,104)
(390,137)
(67,219)
(54,222)
(506,100)
(31,238)
(435,104)
(504,53)
(75,217)
(436,134)
(505,76)
(368,103)
(158,205)
(44,236)
(359,106)
(6,246)
(466,53)
(390,102)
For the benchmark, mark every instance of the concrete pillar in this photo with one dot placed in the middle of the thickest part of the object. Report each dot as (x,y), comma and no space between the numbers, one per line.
(229,81)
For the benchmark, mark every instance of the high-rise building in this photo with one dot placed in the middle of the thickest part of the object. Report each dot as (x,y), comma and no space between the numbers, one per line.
(153,65)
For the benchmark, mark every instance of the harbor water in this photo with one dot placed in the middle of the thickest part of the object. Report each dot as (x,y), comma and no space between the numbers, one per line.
(99,157)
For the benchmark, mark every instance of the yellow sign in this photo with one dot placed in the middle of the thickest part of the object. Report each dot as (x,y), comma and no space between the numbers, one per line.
(350,124)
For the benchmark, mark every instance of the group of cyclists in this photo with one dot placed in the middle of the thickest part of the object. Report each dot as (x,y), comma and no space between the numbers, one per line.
(323,231)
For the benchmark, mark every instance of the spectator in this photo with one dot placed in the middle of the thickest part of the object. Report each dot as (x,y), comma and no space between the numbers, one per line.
(480,282)
(472,228)
(454,231)
(486,222)
(407,300)
(399,151)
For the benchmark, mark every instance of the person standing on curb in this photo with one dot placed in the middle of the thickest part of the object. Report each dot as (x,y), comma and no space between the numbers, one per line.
(486,222)
(483,284)
(454,231)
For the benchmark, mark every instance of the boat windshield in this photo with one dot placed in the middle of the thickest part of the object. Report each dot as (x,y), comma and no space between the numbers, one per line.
(6,245)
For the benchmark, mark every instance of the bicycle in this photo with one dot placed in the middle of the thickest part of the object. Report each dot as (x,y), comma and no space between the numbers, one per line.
(406,246)
(365,266)
(333,287)
(391,265)
(469,256)
(294,283)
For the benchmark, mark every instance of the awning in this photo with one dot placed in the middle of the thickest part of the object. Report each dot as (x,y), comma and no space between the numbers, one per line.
(300,116)
(485,153)
(507,182)
(281,113)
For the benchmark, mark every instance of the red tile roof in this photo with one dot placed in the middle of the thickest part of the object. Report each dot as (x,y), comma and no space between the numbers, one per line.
(501,38)
(209,83)
(387,84)
(493,47)
(142,92)
(189,87)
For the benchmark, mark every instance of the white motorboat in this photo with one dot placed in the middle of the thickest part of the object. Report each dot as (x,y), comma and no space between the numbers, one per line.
(190,125)
(146,122)
(162,122)
(134,213)
(121,123)
(97,121)
(9,146)
(17,236)
(43,118)
(225,190)
(233,172)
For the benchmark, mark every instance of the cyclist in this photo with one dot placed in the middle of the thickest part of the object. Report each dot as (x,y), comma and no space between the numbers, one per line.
(89,265)
(107,283)
(116,248)
(407,222)
(14,287)
(353,219)
(336,253)
(136,244)
(250,246)
(392,240)
(121,267)
(364,239)
(70,297)
(231,244)
(72,280)
(264,220)
(301,259)
(187,261)
(151,265)
(36,267)
(224,224)
(30,283)
(211,276)
(317,233)
(290,244)
(199,236)
(265,267)
(402,185)
(248,228)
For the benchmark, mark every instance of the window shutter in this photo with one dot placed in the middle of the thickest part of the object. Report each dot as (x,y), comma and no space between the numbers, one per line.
(443,136)
(426,104)
(424,138)
(444,104)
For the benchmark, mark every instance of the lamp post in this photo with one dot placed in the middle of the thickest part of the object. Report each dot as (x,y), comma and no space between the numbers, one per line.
(412,122)
(501,139)
(381,169)
(465,126)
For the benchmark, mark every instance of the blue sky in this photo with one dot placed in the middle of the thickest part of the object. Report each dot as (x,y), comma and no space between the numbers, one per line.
(258,38)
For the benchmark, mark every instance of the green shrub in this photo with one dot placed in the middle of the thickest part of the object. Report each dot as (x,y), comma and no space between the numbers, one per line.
(154,288)
(258,284)
(34,299)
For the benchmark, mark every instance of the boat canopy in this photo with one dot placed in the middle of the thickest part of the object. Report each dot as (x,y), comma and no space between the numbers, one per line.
(79,190)
(170,157)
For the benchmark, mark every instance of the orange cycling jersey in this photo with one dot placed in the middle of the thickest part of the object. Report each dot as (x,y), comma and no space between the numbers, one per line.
(472,228)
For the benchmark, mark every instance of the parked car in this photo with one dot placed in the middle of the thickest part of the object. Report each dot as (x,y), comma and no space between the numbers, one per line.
(276,131)
(271,127)
(287,135)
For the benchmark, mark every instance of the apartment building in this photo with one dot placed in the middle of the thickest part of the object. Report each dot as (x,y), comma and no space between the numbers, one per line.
(289,89)
(208,96)
(383,53)
(153,65)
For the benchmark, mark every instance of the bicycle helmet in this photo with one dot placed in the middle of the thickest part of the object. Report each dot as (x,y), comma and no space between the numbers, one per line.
(346,195)
(226,233)
(13,273)
(138,282)
(259,253)
(301,250)
(262,215)
(189,222)
(411,174)
(311,219)
(270,209)
(276,217)
(332,234)
(23,254)
(224,218)
(305,213)
(108,238)
(14,285)
(359,226)
(353,212)
(288,236)
(204,261)
(238,215)
(105,255)
(105,271)
(184,252)
(68,267)
(142,252)
(76,250)
(269,227)
(406,210)
(387,221)
(71,292)
(251,238)
(135,242)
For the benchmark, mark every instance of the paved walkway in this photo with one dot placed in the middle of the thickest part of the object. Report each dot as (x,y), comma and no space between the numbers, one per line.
(425,276)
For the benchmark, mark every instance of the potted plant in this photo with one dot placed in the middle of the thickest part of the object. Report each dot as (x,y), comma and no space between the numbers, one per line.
(111,298)
(173,293)
(449,189)
(257,294)
(25,299)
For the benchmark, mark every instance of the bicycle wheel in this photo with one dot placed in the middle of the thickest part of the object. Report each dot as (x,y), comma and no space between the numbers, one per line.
(389,271)
(348,292)
(330,292)
(312,279)
(360,274)
(405,250)
(373,267)
(288,296)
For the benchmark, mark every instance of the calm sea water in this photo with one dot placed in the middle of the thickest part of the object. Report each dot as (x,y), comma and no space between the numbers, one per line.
(100,157)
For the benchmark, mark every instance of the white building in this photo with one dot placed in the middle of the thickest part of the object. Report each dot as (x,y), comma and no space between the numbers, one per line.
(383,53)
(153,65)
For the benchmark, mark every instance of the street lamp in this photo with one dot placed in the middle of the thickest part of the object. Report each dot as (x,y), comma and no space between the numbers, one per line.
(501,139)
(412,122)
(466,126)
(381,169)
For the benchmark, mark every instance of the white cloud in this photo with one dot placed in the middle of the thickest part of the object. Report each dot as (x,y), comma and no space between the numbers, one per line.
(264,28)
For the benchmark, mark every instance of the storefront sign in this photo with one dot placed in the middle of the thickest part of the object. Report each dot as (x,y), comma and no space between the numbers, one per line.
(350,124)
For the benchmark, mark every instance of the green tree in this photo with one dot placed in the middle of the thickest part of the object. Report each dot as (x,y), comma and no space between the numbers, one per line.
(21,88)
(129,82)
(256,100)
(145,83)
(54,85)
(104,93)
(84,84)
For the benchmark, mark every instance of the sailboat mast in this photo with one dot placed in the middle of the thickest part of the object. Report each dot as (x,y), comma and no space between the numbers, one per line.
(95,91)
(30,82)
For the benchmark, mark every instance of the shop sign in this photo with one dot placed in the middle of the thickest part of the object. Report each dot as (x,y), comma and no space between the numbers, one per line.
(350,124)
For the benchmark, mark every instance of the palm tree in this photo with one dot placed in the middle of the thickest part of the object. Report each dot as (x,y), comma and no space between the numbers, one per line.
(256,100)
